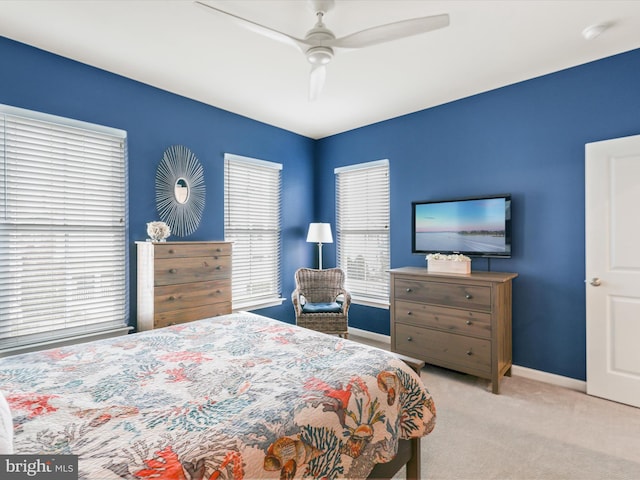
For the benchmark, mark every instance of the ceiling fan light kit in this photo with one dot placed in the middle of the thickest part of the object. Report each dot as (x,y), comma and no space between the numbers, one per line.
(319,55)
(319,42)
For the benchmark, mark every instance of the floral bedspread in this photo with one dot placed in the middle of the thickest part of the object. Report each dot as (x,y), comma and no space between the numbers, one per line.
(233,397)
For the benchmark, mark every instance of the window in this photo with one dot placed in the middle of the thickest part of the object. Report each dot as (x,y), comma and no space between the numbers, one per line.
(362,226)
(62,230)
(252,223)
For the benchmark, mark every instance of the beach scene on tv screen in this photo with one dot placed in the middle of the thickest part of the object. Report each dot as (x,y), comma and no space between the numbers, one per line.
(461,226)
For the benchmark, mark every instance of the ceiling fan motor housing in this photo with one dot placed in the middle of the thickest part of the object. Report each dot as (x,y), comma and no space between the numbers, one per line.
(318,37)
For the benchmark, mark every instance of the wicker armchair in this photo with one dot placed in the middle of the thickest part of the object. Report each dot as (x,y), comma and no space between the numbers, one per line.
(316,300)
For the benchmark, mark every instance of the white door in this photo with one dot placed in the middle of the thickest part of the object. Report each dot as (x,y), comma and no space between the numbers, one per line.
(612,209)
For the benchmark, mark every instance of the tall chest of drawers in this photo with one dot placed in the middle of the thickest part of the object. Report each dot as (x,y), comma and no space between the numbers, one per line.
(182,281)
(460,322)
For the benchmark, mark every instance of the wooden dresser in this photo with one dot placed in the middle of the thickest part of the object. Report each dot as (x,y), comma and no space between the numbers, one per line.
(461,322)
(182,281)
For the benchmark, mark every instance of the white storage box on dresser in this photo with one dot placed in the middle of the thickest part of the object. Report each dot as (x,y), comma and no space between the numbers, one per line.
(182,281)
(460,322)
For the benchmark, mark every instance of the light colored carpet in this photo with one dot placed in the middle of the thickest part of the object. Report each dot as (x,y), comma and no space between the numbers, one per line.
(530,431)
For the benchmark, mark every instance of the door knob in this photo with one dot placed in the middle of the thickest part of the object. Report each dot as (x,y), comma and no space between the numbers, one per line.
(595,281)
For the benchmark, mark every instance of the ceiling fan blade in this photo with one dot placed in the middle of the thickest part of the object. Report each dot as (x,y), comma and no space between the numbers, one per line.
(391,31)
(260,29)
(316,81)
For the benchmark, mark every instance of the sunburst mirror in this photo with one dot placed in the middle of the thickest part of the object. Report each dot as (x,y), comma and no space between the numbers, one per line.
(180,190)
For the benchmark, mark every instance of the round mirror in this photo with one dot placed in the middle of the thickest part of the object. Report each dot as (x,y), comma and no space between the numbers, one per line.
(181,191)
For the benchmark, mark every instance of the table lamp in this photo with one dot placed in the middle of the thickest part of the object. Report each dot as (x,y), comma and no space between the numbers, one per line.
(319,233)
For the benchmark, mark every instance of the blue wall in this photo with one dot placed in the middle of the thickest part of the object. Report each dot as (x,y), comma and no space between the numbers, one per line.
(155,120)
(527,139)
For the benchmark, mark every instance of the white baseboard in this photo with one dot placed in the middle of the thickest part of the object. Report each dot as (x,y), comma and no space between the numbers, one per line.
(376,337)
(539,375)
(552,378)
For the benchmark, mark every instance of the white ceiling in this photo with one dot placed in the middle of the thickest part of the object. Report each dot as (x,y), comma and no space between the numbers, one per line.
(181,47)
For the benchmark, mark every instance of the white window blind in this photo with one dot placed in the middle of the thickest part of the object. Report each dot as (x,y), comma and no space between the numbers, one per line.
(252,222)
(362,230)
(62,229)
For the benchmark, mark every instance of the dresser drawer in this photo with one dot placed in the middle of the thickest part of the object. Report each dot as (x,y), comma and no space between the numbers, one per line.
(452,320)
(459,352)
(170,271)
(180,250)
(186,295)
(473,297)
(162,319)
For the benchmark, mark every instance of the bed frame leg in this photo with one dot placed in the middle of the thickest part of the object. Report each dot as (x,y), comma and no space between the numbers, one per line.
(413,465)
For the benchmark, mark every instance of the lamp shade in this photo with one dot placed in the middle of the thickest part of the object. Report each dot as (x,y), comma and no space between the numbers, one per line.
(320,233)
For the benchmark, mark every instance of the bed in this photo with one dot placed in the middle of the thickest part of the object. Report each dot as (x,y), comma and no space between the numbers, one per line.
(239,396)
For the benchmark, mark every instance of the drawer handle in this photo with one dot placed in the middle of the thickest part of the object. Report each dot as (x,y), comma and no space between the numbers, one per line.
(469,322)
(172,251)
(469,352)
(173,270)
(172,298)
(409,290)
(468,296)
(409,339)
(409,312)
(218,267)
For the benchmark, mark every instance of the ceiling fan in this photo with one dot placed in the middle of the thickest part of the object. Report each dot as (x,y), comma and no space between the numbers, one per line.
(319,43)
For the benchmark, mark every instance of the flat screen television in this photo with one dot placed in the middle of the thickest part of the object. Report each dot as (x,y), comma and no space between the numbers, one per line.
(472,226)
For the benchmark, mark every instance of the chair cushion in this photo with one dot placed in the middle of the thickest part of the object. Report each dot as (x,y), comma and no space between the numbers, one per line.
(324,307)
